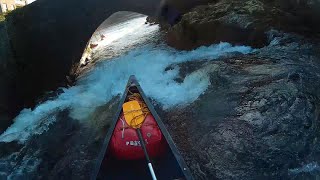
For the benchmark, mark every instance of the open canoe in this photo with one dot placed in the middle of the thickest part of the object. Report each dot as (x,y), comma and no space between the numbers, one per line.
(168,165)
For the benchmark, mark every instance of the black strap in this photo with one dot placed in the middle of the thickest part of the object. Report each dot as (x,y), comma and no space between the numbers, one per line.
(143,145)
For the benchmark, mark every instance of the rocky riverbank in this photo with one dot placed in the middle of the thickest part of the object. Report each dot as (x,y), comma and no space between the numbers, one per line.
(244,22)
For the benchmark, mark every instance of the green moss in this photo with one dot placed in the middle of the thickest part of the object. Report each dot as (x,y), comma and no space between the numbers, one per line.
(2,17)
(254,6)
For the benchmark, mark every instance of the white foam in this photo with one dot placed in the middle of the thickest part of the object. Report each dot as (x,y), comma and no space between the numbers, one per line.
(116,32)
(307,168)
(108,79)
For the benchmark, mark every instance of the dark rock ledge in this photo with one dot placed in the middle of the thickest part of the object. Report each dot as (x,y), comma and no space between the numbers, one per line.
(244,22)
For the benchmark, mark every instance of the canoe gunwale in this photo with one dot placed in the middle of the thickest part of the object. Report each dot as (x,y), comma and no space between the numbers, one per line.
(108,136)
(132,82)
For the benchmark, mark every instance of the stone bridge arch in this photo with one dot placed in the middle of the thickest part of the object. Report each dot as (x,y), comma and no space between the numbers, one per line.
(48,36)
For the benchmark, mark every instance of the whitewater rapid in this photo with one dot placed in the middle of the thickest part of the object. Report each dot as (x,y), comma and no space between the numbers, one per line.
(135,55)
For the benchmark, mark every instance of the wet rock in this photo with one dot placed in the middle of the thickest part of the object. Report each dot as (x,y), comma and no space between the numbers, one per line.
(152,20)
(241,22)
(258,119)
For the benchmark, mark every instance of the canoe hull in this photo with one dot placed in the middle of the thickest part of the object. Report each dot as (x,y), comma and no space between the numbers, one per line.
(125,143)
(170,165)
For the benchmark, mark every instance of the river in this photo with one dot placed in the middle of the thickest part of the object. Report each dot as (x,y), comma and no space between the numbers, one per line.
(61,136)
(130,47)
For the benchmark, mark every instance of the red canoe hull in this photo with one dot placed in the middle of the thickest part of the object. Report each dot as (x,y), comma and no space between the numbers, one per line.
(125,144)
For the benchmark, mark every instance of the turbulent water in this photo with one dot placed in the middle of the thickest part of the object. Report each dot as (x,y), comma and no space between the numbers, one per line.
(253,112)
(130,47)
(147,63)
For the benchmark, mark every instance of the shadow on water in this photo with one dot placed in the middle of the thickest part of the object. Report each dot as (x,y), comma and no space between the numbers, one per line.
(68,148)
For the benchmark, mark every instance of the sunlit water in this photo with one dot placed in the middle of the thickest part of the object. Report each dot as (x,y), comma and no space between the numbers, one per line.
(130,48)
(147,62)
